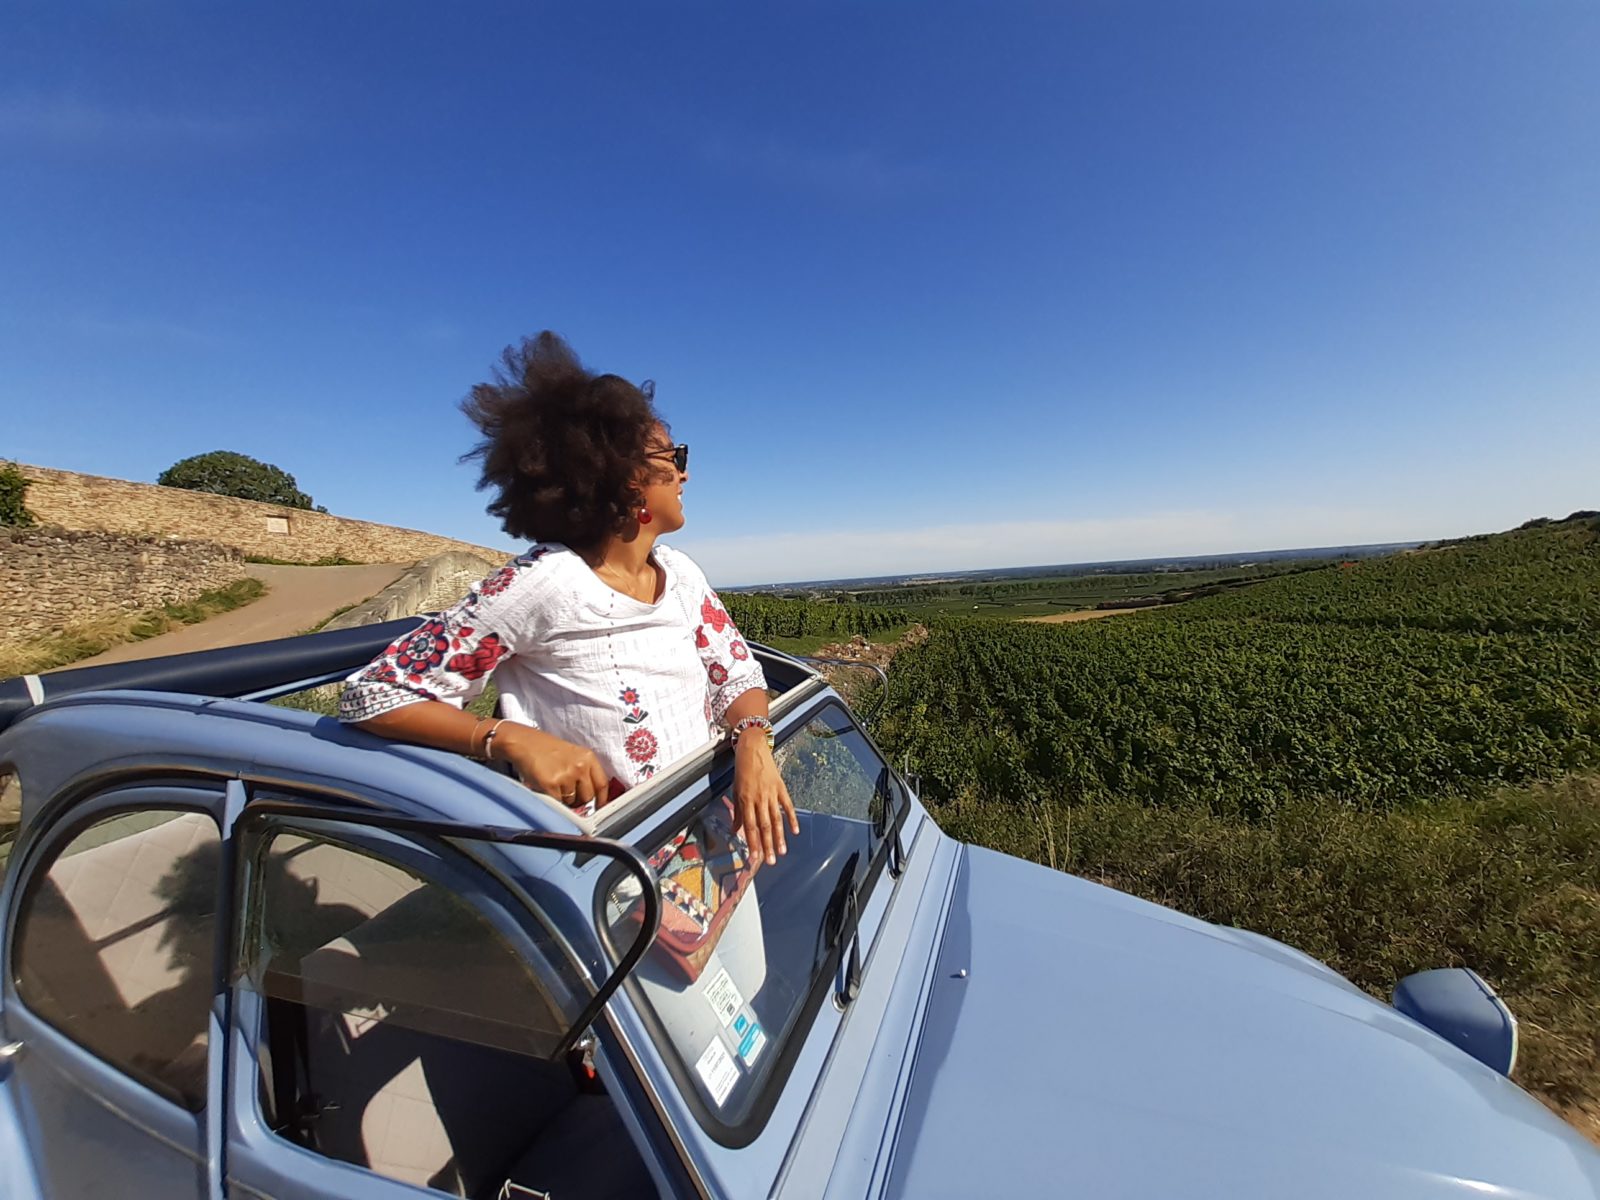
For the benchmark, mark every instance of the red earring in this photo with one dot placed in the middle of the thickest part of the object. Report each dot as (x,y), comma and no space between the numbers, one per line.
(644,516)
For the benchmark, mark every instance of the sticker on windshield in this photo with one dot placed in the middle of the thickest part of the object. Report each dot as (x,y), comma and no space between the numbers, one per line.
(751,1040)
(717,1071)
(723,997)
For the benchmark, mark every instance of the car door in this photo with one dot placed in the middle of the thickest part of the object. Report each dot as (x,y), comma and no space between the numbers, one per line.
(110,928)
(409,1002)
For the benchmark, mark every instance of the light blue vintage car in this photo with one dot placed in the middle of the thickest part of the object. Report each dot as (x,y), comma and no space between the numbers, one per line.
(250,952)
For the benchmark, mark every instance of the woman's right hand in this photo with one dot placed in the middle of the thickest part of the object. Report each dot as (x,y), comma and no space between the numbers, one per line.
(570,773)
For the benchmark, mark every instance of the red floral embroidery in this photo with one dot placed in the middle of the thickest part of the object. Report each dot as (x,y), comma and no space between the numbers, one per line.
(641,745)
(714,616)
(738,650)
(498,582)
(718,673)
(630,697)
(479,662)
(422,651)
(701,641)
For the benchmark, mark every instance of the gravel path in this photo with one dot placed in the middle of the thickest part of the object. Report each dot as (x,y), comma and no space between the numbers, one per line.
(297,598)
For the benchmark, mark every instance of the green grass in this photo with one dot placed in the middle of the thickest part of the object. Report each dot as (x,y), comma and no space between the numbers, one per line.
(1507,883)
(88,638)
(322,624)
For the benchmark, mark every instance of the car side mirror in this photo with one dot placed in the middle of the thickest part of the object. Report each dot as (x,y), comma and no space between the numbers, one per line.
(1464,1010)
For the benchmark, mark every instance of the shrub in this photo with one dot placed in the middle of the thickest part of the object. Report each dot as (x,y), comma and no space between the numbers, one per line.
(1507,883)
(13,494)
(225,473)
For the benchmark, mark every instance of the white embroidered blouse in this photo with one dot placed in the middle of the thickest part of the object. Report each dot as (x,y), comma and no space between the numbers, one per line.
(639,684)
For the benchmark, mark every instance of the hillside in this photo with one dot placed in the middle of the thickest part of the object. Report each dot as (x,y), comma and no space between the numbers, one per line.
(1537,580)
(1391,765)
(1377,684)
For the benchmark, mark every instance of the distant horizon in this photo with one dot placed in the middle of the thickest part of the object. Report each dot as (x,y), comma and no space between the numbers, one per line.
(1159,537)
(864,582)
(716,556)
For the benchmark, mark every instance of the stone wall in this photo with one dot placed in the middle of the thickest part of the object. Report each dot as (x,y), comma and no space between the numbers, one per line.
(51,578)
(94,502)
(433,584)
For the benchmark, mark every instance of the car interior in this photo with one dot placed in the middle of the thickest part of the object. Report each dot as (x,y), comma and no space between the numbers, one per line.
(415,1042)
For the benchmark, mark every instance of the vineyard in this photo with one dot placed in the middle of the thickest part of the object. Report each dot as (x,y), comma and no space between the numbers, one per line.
(772,621)
(1011,597)
(1543,580)
(1373,685)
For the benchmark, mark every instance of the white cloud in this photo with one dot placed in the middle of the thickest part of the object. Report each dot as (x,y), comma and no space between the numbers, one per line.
(844,554)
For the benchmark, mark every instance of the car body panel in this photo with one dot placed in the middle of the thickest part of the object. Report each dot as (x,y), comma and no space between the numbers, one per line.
(18,1180)
(1079,1042)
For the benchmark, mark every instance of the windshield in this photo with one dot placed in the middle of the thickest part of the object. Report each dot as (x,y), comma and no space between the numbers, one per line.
(745,957)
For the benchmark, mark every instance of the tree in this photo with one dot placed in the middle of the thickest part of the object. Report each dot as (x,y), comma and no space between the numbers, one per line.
(13,496)
(224,473)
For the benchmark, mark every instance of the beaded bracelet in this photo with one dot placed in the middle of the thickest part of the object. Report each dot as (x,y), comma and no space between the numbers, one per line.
(752,723)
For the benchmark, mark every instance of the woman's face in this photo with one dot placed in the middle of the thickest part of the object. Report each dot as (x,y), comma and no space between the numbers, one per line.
(661,485)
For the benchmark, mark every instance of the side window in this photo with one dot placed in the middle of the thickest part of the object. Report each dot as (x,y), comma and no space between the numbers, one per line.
(830,768)
(114,945)
(414,1025)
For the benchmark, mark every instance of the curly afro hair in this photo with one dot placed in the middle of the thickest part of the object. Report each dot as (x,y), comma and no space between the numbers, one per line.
(562,447)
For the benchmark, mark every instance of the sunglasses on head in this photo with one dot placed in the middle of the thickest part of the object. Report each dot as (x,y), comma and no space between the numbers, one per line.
(679,455)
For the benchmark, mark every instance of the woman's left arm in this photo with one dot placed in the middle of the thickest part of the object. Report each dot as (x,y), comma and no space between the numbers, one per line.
(739,690)
(759,793)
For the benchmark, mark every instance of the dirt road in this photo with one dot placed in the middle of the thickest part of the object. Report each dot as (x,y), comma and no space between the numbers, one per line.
(1087,614)
(297,598)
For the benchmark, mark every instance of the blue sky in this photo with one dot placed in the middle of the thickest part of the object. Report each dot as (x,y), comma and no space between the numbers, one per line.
(925,286)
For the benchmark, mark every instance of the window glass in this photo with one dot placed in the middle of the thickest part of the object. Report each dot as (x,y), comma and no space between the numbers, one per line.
(743,957)
(412,1017)
(10,816)
(347,931)
(114,945)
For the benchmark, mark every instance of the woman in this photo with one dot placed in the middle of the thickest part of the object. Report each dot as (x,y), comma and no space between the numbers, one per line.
(613,655)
